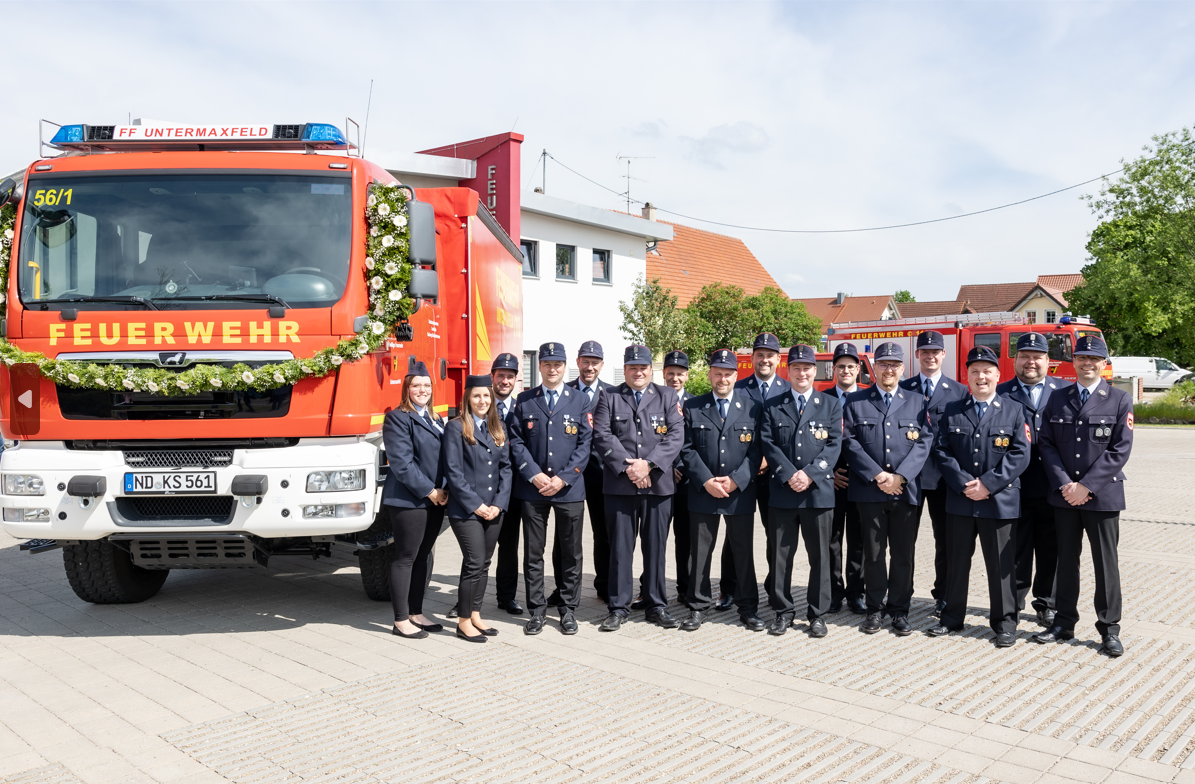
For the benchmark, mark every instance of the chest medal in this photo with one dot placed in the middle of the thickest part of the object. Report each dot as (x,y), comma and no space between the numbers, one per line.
(913,434)
(745,438)
(1001,441)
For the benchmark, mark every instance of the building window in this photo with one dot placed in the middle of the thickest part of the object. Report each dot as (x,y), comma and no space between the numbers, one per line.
(601,266)
(530,370)
(566,262)
(1031,316)
(530,259)
(1051,317)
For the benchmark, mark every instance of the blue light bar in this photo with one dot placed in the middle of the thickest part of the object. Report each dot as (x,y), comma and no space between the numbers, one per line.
(67,134)
(323,132)
(1064,320)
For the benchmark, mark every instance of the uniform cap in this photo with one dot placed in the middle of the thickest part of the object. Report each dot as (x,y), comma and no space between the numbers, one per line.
(1091,346)
(846,350)
(766,340)
(931,339)
(982,354)
(677,359)
(417,368)
(591,348)
(802,353)
(636,355)
(724,358)
(890,351)
(479,381)
(505,362)
(1032,341)
(552,352)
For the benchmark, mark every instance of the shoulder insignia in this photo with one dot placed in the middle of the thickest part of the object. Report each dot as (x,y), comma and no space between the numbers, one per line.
(1103,392)
(1052,386)
(787,399)
(996,403)
(1130,422)
(589,416)
(900,395)
(737,404)
(945,385)
(1028,433)
(707,405)
(566,393)
(679,408)
(815,401)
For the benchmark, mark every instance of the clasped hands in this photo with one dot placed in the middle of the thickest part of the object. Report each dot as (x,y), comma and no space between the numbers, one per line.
(1076,493)
(890,483)
(720,486)
(438,496)
(639,472)
(547,485)
(799,482)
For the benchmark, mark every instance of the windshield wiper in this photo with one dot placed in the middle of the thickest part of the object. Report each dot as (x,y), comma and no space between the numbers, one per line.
(121,298)
(218,297)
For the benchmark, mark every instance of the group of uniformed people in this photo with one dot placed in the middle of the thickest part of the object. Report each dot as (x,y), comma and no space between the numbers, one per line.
(848,469)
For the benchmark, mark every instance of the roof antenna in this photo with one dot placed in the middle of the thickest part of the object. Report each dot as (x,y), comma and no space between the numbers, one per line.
(365,133)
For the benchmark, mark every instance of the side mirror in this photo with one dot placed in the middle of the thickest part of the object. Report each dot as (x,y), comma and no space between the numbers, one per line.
(8,191)
(425,283)
(421,222)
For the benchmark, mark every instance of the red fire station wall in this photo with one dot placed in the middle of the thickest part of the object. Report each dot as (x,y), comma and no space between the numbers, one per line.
(497,177)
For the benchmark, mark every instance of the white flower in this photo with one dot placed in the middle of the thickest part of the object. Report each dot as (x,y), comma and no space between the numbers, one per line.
(152,386)
(378,311)
(374,231)
(8,235)
(376,282)
(127,383)
(395,295)
(1,299)
(215,381)
(399,220)
(387,241)
(8,362)
(306,369)
(372,200)
(363,349)
(247,377)
(384,210)
(391,268)
(278,377)
(74,379)
(337,359)
(369,262)
(101,383)
(377,327)
(182,384)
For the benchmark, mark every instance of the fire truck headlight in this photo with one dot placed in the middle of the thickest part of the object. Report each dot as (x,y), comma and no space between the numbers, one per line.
(328,511)
(26,515)
(335,481)
(23,484)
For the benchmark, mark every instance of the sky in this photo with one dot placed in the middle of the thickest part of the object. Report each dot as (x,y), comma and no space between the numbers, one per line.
(820,115)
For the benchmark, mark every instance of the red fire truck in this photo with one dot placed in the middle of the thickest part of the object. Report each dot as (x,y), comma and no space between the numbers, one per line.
(236,257)
(825,368)
(998,331)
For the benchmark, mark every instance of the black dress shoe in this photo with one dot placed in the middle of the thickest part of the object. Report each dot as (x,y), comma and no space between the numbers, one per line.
(1005,640)
(467,638)
(900,626)
(513,607)
(939,606)
(725,602)
(872,623)
(1045,617)
(568,624)
(753,622)
(1053,634)
(638,605)
(534,626)
(1112,645)
(451,613)
(693,622)
(780,625)
(662,618)
(419,635)
(938,630)
(434,628)
(612,623)
(858,605)
(817,628)
(836,606)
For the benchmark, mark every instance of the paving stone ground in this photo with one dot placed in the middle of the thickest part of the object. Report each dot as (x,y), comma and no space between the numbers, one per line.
(289,674)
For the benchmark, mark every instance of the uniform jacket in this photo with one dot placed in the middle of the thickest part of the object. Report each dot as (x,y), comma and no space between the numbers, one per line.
(555,444)
(750,386)
(1101,434)
(595,461)
(843,457)
(994,450)
(946,391)
(683,398)
(653,431)
(721,448)
(413,451)
(477,474)
(811,442)
(896,440)
(1033,481)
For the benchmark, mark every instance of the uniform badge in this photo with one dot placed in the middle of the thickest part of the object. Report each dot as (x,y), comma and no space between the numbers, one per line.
(530,424)
(590,418)
(679,409)
(822,465)
(1000,441)
(744,438)
(1028,434)
(913,435)
(1130,422)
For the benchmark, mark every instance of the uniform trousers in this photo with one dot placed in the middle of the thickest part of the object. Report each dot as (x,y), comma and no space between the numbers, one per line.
(889,528)
(681,545)
(645,517)
(846,582)
(935,500)
(477,539)
(415,532)
(1037,540)
(728,582)
(786,527)
(567,542)
(703,537)
(595,503)
(997,540)
(1103,534)
(506,573)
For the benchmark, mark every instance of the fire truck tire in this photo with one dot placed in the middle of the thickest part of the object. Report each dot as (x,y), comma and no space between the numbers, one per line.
(101,573)
(375,572)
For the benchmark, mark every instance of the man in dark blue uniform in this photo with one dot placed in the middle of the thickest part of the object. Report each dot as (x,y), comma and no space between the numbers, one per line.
(638,432)
(1035,534)
(721,455)
(888,438)
(676,375)
(802,438)
(551,434)
(761,386)
(1093,421)
(505,372)
(937,391)
(846,583)
(982,448)
(590,360)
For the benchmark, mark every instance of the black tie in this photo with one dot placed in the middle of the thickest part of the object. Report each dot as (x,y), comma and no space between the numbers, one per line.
(983,409)
(722,408)
(800,405)
(1083,395)
(638,398)
(551,401)
(887,400)
(929,389)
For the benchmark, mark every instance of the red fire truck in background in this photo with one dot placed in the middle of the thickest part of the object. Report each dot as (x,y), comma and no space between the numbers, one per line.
(825,368)
(179,247)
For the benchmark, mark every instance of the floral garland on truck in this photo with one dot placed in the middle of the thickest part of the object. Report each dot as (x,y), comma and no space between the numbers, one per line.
(387,273)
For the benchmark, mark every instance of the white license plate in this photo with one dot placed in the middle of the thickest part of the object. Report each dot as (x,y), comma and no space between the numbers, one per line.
(173,482)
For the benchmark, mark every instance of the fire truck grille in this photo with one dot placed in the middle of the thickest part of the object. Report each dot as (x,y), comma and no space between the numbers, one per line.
(100,133)
(288,131)
(213,509)
(230,553)
(178,458)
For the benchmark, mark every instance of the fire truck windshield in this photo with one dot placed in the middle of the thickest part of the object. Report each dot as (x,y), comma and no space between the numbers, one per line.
(175,241)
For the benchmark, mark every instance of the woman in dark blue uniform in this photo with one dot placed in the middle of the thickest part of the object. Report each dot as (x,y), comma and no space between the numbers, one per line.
(414,498)
(477,466)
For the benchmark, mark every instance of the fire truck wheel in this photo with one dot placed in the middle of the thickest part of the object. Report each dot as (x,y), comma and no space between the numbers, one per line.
(375,572)
(101,573)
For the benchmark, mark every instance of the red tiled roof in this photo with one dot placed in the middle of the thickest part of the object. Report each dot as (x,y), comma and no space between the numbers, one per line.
(1058,285)
(940,308)
(851,309)
(694,258)
(990,297)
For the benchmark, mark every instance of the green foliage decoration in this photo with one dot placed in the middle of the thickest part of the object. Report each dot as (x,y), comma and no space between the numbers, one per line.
(387,273)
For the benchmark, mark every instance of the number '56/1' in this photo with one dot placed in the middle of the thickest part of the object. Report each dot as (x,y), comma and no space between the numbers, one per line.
(52,197)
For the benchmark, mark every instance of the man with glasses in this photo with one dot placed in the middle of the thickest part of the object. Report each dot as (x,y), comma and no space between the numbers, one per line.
(846,583)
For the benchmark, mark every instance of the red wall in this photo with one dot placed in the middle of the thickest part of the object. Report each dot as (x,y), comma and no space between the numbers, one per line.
(497,177)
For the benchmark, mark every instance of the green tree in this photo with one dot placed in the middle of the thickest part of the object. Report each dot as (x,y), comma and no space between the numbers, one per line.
(771,310)
(718,319)
(1139,284)
(904,295)
(652,318)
